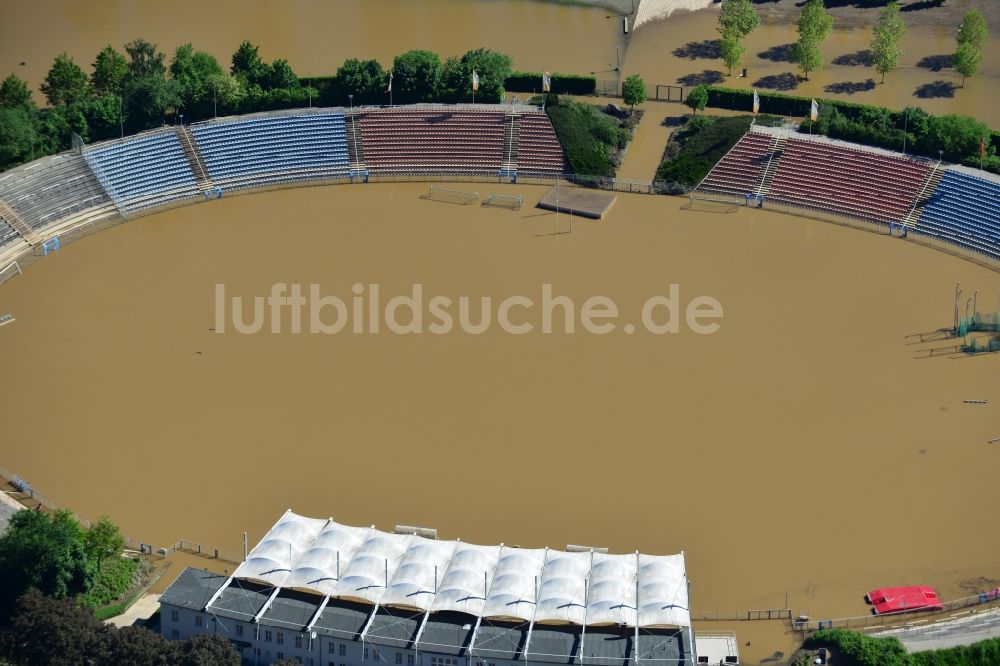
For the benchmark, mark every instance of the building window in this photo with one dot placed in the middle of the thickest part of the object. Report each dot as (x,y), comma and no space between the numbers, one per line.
(175,616)
(364,656)
(443,661)
(239,629)
(311,662)
(281,639)
(280,655)
(342,650)
(399,657)
(198,620)
(409,660)
(267,635)
(298,641)
(329,648)
(174,633)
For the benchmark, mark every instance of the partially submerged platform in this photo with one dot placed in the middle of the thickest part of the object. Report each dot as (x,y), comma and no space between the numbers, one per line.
(578,201)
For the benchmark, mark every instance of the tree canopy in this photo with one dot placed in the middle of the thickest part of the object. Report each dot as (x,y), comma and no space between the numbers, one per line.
(813,27)
(886,36)
(66,82)
(59,632)
(634,90)
(416,76)
(738,18)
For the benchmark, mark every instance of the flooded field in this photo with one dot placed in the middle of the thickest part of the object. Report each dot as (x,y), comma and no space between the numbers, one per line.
(682,51)
(812,447)
(315,36)
(807,447)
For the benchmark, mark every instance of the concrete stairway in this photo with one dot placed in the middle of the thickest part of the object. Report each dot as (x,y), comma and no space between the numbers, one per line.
(19,225)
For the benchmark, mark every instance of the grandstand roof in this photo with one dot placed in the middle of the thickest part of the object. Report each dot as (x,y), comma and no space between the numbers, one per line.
(408,571)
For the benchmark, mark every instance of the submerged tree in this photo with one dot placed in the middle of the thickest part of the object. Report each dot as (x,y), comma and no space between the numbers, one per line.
(888,33)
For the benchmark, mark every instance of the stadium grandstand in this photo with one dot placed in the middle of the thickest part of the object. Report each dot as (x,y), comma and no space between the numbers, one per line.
(432,140)
(949,203)
(143,171)
(320,592)
(269,149)
(53,196)
(963,210)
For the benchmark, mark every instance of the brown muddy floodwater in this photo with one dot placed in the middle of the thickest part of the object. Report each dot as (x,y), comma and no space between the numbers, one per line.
(678,51)
(807,447)
(315,36)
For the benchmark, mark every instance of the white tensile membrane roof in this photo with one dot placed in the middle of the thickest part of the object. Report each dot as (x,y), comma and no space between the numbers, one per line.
(497,582)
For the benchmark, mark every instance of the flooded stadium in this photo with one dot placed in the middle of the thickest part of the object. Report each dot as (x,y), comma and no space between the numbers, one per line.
(826,440)
(804,447)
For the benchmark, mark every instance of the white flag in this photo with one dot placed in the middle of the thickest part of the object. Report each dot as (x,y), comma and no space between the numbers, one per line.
(814,111)
(546,82)
(475,81)
(756,103)
(389,89)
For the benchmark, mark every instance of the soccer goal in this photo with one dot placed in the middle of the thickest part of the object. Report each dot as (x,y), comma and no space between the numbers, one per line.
(447,195)
(713,203)
(504,201)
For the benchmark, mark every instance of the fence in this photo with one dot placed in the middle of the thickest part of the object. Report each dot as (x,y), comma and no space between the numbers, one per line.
(742,616)
(664,93)
(877,621)
(659,93)
(194,548)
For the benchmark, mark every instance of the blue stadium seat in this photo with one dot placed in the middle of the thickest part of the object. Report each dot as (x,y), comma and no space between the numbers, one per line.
(144,171)
(269,150)
(964,210)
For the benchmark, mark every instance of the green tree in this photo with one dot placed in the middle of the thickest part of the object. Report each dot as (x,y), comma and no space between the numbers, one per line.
(815,22)
(195,74)
(44,553)
(973,29)
(416,76)
(365,79)
(282,76)
(634,90)
(14,93)
(738,18)
(53,631)
(966,60)
(886,37)
(732,51)
(813,27)
(972,37)
(147,101)
(66,82)
(227,93)
(144,59)
(205,651)
(456,76)
(103,539)
(247,64)
(110,70)
(697,98)
(17,137)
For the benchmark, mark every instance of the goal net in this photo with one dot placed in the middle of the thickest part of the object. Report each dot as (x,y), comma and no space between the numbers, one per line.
(504,201)
(448,195)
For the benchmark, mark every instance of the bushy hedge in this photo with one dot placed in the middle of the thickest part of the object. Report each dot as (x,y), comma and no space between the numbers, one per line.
(862,650)
(696,147)
(592,139)
(562,84)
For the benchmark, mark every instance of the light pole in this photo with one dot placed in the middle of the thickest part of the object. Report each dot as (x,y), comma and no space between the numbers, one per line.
(958,293)
(121,116)
(215,99)
(975,299)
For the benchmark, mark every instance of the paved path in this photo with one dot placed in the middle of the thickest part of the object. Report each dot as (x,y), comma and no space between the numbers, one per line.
(139,612)
(965,630)
(8,507)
